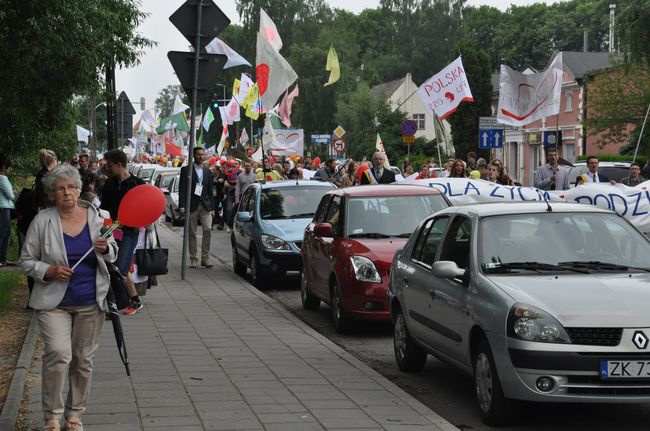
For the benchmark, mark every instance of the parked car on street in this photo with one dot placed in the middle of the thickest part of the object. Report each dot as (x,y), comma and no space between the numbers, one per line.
(269,225)
(171,202)
(349,246)
(536,301)
(147,171)
(163,177)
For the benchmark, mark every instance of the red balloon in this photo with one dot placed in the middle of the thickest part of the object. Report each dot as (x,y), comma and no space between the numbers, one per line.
(213,160)
(361,170)
(141,206)
(250,152)
(262,74)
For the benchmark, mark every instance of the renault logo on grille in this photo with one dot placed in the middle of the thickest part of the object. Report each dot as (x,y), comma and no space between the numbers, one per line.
(640,340)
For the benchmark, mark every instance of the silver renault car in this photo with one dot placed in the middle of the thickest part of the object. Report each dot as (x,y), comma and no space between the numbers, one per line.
(536,301)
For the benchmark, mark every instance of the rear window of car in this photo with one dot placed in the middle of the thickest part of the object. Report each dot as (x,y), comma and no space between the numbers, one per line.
(290,202)
(146,174)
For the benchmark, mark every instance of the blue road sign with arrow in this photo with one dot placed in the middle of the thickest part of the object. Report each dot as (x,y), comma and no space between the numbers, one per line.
(490,138)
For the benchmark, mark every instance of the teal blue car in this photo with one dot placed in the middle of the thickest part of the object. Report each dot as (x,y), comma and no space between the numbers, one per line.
(269,226)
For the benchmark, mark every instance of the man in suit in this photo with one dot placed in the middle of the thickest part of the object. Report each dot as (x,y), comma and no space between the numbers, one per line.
(201,206)
(592,176)
(378,174)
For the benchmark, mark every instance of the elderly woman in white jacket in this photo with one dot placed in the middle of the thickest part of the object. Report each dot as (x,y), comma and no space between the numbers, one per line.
(70,303)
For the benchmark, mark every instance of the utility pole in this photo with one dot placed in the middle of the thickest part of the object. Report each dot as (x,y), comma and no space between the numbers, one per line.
(199,21)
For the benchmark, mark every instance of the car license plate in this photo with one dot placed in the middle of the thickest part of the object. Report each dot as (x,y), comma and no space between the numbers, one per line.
(625,369)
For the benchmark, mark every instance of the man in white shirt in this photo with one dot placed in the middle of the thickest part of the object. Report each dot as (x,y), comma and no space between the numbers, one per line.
(592,175)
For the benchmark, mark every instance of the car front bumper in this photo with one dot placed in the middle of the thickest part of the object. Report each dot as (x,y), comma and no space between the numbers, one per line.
(363,300)
(281,261)
(574,369)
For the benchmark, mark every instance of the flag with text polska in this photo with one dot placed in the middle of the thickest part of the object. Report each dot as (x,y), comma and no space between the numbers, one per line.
(443,92)
(524,98)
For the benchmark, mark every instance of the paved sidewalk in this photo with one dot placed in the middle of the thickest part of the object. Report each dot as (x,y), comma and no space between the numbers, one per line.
(213,353)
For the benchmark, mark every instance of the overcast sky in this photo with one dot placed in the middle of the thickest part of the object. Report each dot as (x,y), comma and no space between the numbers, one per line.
(155,72)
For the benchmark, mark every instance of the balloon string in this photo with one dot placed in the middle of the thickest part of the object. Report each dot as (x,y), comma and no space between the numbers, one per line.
(102,236)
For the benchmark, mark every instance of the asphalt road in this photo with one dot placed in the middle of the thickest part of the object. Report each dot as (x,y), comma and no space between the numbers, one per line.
(439,386)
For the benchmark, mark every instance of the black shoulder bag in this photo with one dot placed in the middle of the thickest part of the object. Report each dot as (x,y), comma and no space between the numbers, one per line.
(152,261)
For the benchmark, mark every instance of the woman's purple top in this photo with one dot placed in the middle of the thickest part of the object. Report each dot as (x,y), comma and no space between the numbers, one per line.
(81,287)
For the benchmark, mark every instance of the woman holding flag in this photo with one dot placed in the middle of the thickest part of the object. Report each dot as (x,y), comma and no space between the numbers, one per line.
(70,304)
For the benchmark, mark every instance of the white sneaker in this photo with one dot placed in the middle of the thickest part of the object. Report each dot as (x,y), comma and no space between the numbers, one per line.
(227,230)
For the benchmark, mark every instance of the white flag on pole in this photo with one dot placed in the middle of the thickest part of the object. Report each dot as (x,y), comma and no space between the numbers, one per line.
(232,111)
(274,73)
(245,84)
(218,46)
(269,31)
(243,138)
(524,98)
(443,92)
(179,106)
(82,134)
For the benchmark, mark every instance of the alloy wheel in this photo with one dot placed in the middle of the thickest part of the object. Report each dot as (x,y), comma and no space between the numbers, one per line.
(483,381)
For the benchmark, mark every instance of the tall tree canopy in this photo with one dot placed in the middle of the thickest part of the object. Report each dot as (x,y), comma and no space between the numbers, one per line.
(53,50)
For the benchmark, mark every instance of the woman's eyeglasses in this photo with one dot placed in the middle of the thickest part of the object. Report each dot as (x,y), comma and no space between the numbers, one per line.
(61,190)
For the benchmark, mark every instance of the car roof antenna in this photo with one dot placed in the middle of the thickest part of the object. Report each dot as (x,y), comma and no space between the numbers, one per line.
(548,206)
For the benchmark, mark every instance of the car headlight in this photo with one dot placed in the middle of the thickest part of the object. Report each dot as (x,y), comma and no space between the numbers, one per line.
(274,243)
(532,324)
(364,269)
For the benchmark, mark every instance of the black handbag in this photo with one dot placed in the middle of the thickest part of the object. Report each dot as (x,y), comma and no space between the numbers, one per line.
(152,261)
(118,296)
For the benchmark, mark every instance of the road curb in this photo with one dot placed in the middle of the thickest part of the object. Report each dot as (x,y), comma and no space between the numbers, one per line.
(9,413)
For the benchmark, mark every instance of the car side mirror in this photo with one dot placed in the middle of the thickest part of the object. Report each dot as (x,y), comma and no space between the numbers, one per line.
(447,269)
(244,216)
(323,230)
(166,192)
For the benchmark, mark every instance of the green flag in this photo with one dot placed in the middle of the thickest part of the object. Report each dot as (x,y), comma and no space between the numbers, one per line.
(176,121)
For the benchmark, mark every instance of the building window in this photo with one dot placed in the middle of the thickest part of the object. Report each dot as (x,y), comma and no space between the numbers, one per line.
(419,120)
(569,101)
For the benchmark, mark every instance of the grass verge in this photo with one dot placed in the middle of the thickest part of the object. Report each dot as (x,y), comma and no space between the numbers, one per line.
(9,282)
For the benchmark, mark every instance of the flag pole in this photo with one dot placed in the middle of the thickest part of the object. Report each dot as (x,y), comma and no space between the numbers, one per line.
(638,142)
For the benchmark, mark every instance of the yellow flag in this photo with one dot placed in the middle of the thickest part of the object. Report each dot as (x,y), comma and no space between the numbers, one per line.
(332,66)
(252,96)
(235,87)
(252,113)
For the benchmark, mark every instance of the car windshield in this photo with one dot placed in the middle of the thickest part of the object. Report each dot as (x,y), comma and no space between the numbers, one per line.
(379,217)
(175,188)
(290,202)
(146,174)
(581,242)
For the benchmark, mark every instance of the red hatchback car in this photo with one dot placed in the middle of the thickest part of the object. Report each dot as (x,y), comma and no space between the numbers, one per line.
(349,246)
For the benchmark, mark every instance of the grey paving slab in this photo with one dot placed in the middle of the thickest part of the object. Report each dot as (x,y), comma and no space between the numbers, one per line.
(211,353)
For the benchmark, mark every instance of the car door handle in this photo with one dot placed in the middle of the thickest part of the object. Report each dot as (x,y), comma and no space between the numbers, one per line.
(432,294)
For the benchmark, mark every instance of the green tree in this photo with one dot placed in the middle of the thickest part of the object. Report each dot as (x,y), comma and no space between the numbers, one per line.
(633,25)
(464,122)
(618,99)
(166,97)
(53,50)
